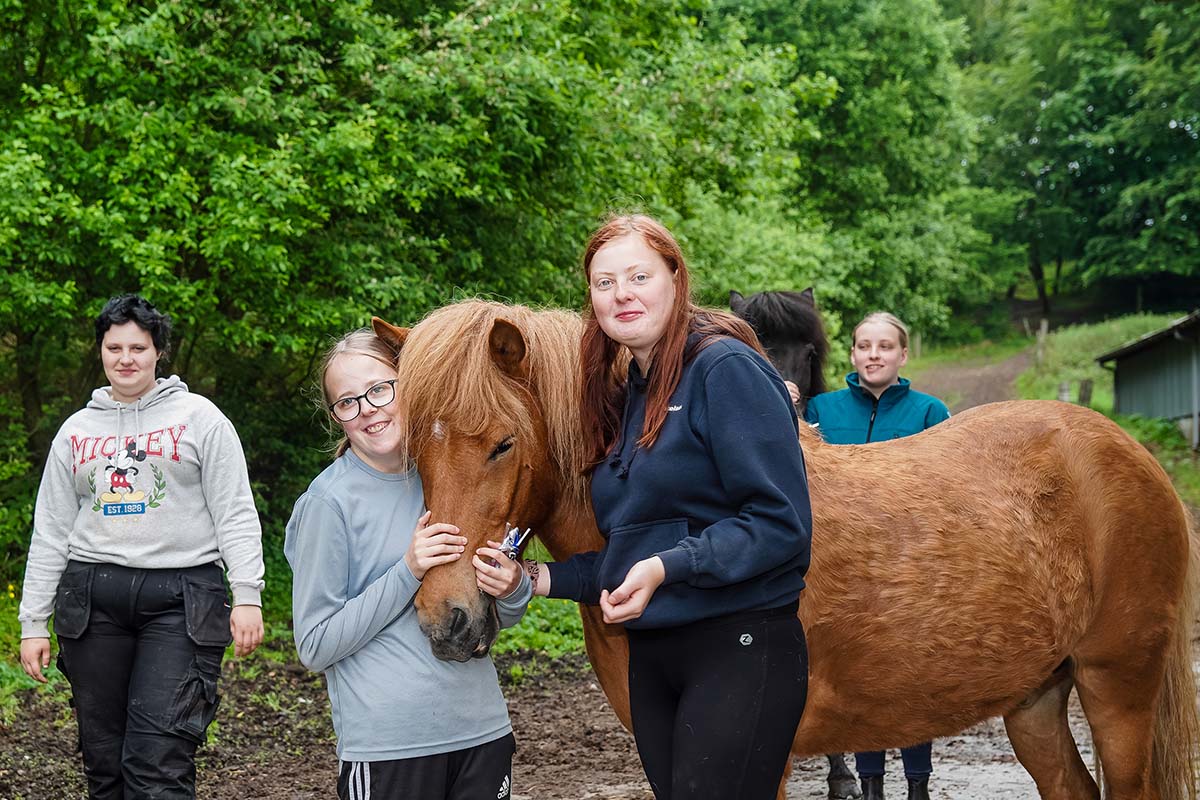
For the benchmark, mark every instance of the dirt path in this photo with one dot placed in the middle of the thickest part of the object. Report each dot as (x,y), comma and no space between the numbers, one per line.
(973,383)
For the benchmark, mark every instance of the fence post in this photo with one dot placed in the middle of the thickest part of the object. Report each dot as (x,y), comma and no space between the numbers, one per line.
(1043,331)
(1085,392)
(1064,391)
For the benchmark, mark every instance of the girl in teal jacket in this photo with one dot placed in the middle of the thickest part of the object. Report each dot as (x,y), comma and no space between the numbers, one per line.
(878,405)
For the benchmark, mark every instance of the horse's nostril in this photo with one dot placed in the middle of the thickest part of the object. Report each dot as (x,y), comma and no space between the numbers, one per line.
(458,622)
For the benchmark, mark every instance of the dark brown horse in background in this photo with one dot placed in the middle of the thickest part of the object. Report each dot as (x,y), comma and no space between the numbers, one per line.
(1029,547)
(791,331)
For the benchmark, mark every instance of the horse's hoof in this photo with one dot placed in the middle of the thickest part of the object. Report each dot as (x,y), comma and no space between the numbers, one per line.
(844,789)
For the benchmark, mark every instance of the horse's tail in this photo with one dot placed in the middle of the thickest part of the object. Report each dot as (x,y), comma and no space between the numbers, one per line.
(1177,723)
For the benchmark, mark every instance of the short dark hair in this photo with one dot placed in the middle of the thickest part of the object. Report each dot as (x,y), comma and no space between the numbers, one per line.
(135,308)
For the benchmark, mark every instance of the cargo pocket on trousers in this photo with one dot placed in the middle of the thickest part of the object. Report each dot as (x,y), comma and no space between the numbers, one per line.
(207,612)
(195,704)
(73,602)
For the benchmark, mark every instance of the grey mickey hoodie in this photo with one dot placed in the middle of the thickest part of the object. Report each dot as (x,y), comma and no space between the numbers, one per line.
(154,484)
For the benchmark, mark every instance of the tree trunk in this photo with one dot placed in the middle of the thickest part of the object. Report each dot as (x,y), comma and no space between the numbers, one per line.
(31,395)
(1058,259)
(1038,274)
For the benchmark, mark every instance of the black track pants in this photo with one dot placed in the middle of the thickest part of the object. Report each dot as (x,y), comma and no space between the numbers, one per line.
(716,703)
(482,772)
(142,650)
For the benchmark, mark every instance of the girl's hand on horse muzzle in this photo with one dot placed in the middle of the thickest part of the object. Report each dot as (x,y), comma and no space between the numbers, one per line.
(432,545)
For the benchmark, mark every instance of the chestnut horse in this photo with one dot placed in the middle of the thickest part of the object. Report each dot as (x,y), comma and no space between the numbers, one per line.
(1011,553)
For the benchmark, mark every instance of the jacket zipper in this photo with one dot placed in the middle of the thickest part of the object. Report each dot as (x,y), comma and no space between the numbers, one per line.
(871,424)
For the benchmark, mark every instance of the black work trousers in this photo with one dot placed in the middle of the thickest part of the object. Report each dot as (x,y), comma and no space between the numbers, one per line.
(716,703)
(142,651)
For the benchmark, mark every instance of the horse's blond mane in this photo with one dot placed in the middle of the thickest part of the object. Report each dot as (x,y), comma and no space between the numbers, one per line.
(446,374)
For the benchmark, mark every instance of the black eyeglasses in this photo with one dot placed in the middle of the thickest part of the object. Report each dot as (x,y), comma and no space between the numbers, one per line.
(348,408)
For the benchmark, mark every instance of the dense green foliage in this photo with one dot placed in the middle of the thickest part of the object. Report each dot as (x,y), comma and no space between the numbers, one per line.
(1089,136)
(273,173)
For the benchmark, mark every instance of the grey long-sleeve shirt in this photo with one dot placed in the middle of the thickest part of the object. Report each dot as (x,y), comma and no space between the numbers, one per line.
(354,619)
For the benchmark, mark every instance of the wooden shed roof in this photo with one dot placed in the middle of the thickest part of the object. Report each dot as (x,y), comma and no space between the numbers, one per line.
(1152,338)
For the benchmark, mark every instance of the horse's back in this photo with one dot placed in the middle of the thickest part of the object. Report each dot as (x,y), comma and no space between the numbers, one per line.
(984,550)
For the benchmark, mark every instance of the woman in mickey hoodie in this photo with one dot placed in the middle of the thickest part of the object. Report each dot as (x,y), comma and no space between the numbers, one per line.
(143,506)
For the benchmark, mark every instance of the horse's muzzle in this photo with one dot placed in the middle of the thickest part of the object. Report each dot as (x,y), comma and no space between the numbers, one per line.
(461,635)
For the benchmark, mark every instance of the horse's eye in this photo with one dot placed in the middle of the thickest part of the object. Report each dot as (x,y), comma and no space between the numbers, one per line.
(502,448)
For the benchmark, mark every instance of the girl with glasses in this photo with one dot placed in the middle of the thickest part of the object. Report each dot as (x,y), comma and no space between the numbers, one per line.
(408,724)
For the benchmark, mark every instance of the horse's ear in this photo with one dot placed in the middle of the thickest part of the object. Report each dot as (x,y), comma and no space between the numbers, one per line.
(508,348)
(807,294)
(390,335)
(736,301)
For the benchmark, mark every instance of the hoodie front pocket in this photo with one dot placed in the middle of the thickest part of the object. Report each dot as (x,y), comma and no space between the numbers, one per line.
(73,601)
(630,544)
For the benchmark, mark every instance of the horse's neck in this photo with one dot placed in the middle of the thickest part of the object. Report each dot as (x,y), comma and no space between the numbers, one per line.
(570,530)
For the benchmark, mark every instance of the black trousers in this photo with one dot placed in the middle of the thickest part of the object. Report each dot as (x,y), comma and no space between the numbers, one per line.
(142,651)
(716,703)
(482,772)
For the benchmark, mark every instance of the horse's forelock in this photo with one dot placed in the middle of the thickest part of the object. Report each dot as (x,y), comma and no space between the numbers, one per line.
(447,375)
(783,314)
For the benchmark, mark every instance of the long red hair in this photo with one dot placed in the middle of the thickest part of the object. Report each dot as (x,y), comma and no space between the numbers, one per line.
(601,357)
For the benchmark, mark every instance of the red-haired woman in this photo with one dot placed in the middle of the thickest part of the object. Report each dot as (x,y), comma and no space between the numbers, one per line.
(698,487)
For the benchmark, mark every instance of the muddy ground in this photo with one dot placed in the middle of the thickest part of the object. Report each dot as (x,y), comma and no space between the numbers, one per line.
(273,740)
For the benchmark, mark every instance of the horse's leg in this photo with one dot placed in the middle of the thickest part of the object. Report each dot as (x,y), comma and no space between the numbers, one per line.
(1118,699)
(781,793)
(842,783)
(1041,739)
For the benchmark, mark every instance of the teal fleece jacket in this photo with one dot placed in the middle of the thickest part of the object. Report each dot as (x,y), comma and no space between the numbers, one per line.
(854,416)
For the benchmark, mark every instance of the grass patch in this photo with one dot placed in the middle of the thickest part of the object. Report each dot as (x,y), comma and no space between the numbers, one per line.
(551,628)
(1071,352)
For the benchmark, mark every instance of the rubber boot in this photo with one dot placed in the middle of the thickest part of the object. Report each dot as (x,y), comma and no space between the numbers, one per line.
(918,789)
(873,788)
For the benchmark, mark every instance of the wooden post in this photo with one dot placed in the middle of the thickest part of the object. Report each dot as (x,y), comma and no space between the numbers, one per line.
(916,341)
(1043,332)
(1064,391)
(1085,392)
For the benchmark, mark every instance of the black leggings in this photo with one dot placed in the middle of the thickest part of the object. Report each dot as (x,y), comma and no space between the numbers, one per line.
(716,703)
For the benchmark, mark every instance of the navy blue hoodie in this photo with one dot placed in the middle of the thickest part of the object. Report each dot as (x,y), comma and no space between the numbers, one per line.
(721,497)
